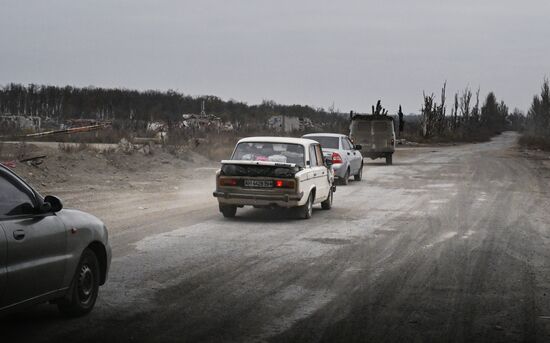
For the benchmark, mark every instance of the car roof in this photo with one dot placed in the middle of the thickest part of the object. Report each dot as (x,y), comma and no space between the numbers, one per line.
(324,135)
(283,140)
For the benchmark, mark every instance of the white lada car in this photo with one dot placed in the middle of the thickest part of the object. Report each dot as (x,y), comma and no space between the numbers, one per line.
(269,172)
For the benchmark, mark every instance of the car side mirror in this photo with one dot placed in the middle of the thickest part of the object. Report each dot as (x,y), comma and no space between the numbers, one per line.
(54,202)
(328,162)
(358,147)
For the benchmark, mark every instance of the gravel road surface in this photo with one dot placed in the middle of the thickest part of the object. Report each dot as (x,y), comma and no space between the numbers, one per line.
(450,244)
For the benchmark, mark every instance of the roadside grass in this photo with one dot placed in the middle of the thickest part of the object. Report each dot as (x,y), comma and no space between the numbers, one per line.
(71,148)
(535,142)
(449,137)
(212,145)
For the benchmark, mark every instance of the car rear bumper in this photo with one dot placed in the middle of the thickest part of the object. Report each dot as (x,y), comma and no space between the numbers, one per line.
(247,199)
(378,154)
(339,170)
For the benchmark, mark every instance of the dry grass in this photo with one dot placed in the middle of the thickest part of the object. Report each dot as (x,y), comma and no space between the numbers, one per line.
(535,142)
(72,147)
(413,133)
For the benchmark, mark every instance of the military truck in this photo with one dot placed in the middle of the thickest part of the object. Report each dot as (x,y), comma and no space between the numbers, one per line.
(375,134)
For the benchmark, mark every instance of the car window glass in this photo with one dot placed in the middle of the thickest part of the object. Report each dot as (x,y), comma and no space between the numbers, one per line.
(345,144)
(312,156)
(271,152)
(13,201)
(382,126)
(362,125)
(351,146)
(326,142)
(319,155)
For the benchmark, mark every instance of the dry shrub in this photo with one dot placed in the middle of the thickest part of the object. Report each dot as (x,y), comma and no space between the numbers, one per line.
(535,142)
(213,145)
(72,147)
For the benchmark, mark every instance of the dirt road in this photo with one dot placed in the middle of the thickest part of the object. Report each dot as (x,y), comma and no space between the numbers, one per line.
(448,244)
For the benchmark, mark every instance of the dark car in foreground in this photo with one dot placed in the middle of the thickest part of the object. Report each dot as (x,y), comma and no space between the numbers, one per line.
(48,253)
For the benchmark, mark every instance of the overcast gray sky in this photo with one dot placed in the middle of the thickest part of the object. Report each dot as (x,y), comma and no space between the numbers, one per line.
(312,52)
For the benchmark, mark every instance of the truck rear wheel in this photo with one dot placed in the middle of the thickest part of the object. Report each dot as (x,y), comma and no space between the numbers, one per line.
(389,159)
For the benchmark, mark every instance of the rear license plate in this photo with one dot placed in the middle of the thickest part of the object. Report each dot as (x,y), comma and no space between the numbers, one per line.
(258,183)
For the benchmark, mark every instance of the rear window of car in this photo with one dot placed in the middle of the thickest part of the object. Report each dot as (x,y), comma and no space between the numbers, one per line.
(363,125)
(326,142)
(382,126)
(271,152)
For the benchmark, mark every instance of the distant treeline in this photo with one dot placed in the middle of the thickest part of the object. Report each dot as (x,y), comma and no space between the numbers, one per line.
(537,127)
(62,103)
(468,120)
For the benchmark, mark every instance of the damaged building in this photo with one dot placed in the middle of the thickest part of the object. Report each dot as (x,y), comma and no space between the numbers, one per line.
(281,123)
(20,122)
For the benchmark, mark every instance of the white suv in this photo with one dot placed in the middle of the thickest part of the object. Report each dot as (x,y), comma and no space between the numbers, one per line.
(275,172)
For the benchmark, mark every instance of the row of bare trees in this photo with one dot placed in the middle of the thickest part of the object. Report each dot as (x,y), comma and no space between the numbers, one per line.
(131,108)
(467,120)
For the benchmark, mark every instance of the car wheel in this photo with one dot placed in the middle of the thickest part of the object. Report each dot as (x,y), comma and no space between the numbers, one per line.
(359,175)
(228,211)
(327,204)
(389,160)
(345,179)
(84,287)
(306,210)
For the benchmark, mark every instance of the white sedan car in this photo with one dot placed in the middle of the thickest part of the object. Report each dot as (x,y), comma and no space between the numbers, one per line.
(346,158)
(274,172)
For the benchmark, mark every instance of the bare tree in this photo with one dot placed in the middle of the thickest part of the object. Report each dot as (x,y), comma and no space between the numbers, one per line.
(475,110)
(465,100)
(428,110)
(454,113)
(440,112)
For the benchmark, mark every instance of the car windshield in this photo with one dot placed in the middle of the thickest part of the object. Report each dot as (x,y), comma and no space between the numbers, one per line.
(272,152)
(326,141)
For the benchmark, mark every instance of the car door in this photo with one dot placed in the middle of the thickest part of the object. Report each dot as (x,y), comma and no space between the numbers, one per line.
(3,264)
(348,155)
(315,172)
(36,243)
(325,171)
(357,158)
(320,172)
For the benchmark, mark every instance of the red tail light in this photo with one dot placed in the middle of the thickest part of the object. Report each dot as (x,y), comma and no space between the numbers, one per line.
(392,142)
(284,183)
(336,158)
(228,182)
